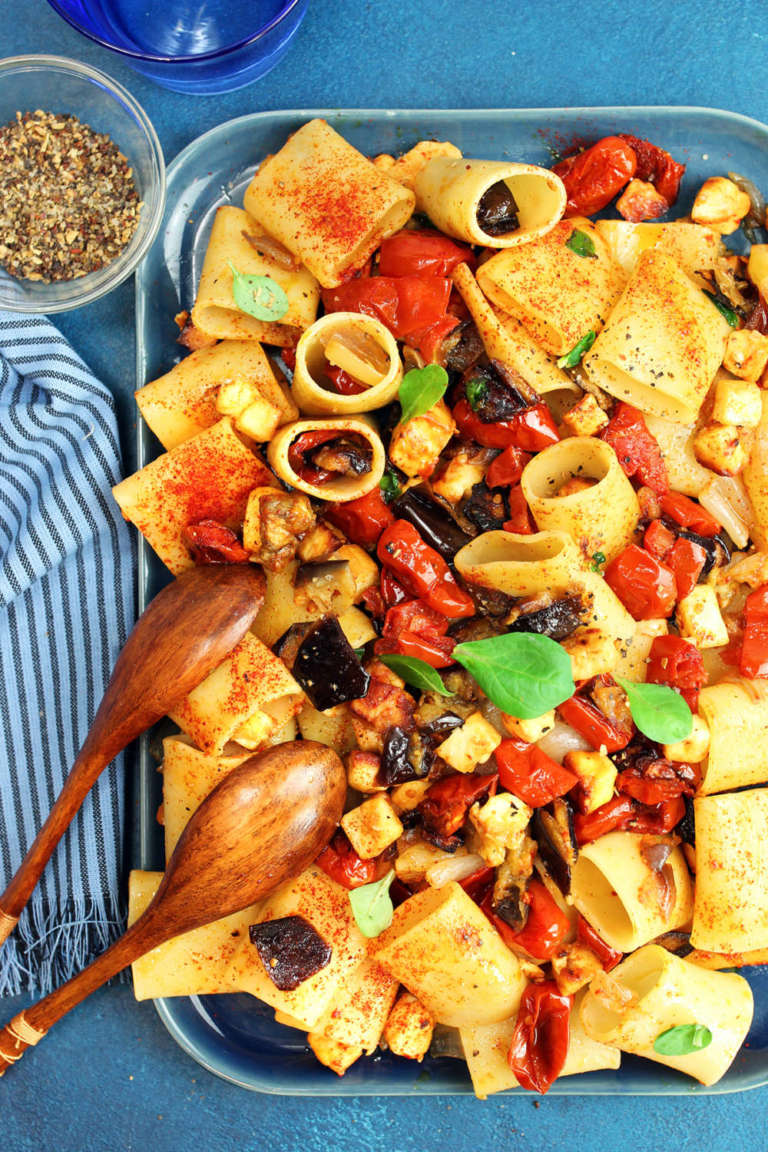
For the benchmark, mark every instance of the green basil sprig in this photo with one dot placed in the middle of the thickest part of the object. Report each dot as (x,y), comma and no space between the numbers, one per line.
(582,244)
(420,389)
(522,673)
(372,906)
(416,672)
(259,296)
(476,389)
(659,712)
(598,559)
(682,1040)
(390,485)
(572,359)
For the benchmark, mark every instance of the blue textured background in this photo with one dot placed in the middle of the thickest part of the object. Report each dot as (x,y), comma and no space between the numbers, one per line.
(109,1077)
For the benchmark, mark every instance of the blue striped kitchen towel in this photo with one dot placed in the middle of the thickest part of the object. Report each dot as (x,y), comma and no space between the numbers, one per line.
(67,564)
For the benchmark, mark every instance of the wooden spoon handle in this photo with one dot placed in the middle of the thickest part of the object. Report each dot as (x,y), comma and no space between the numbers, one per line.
(15,1038)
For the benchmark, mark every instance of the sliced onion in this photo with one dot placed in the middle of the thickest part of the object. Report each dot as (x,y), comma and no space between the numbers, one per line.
(454,867)
(756,216)
(562,739)
(725,498)
(273,250)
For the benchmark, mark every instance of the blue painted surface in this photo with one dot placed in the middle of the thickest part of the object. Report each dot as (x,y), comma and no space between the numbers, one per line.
(110,1077)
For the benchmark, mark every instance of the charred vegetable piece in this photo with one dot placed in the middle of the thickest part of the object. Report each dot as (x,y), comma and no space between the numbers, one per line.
(290,949)
(427,738)
(486,508)
(677,942)
(490,601)
(554,834)
(351,456)
(437,528)
(497,210)
(463,347)
(513,907)
(327,668)
(396,767)
(715,547)
(686,829)
(491,393)
(558,620)
(447,802)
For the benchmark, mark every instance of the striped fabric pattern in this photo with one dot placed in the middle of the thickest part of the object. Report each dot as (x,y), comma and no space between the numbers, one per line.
(67,578)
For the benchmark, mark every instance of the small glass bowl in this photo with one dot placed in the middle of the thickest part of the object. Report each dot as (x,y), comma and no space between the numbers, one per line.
(55,84)
(201,49)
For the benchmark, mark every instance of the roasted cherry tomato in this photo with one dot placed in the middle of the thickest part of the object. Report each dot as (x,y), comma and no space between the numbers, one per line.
(657,167)
(637,450)
(612,816)
(363,520)
(688,514)
(403,303)
(343,383)
(658,819)
(520,518)
(545,928)
(446,803)
(478,883)
(414,629)
(421,252)
(657,781)
(658,539)
(429,341)
(422,570)
(677,663)
(213,543)
(507,468)
(592,178)
(340,861)
(608,957)
(391,592)
(645,587)
(541,1037)
(753,661)
(305,443)
(530,429)
(686,558)
(585,716)
(530,774)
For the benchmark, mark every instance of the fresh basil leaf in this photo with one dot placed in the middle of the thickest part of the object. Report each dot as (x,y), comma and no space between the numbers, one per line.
(416,672)
(420,389)
(682,1040)
(390,485)
(372,906)
(522,673)
(659,712)
(259,296)
(724,309)
(573,358)
(598,559)
(359,652)
(476,389)
(581,244)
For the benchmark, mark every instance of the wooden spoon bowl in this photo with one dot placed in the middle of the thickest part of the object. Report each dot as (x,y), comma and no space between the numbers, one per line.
(266,821)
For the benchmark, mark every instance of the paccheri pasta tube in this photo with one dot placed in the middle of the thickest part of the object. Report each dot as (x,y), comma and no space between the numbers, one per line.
(363,348)
(488,202)
(233,244)
(579,487)
(731,906)
(736,713)
(183,402)
(336,459)
(663,342)
(328,204)
(756,478)
(663,992)
(190,775)
(559,295)
(695,247)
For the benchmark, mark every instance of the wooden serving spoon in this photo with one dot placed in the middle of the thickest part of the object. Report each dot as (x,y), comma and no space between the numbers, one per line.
(266,821)
(183,634)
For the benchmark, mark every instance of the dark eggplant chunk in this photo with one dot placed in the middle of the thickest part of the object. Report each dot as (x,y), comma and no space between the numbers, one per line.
(327,668)
(444,843)
(290,949)
(677,942)
(513,908)
(686,829)
(497,210)
(486,508)
(553,831)
(349,456)
(396,767)
(437,528)
(426,739)
(491,393)
(290,642)
(558,620)
(490,601)
(463,347)
(715,547)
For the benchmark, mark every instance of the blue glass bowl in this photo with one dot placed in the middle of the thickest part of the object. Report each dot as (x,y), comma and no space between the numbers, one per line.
(200,47)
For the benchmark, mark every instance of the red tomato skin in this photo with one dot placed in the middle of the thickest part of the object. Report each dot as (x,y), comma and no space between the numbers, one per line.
(612,816)
(530,774)
(637,450)
(531,429)
(403,303)
(688,514)
(645,587)
(675,662)
(753,658)
(477,884)
(608,957)
(656,166)
(421,252)
(520,517)
(507,468)
(540,1040)
(413,628)
(545,929)
(422,570)
(658,539)
(213,543)
(344,384)
(446,803)
(593,725)
(429,340)
(595,176)
(363,520)
(686,558)
(340,861)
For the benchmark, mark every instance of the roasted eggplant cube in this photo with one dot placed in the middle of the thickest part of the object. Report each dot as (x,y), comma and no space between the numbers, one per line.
(290,949)
(436,526)
(558,620)
(327,668)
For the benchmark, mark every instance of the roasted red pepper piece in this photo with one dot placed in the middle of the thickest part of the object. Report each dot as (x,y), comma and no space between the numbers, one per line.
(645,587)
(446,803)
(530,429)
(637,450)
(213,543)
(658,539)
(421,252)
(592,178)
(422,570)
(688,514)
(477,884)
(429,340)
(753,660)
(392,593)
(545,929)
(677,663)
(656,166)
(363,520)
(403,303)
(585,716)
(530,774)
(542,1033)
(507,468)
(414,629)
(340,861)
(686,558)
(520,518)
(612,816)
(608,957)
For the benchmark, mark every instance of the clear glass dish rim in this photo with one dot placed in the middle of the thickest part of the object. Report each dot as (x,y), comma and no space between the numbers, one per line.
(196,59)
(121,268)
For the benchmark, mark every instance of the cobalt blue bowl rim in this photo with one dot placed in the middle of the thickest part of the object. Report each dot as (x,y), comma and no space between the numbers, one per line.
(198,58)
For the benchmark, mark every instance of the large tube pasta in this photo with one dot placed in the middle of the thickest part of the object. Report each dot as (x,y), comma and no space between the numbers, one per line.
(197,963)
(663,342)
(505,339)
(755,476)
(486,1050)
(206,478)
(360,345)
(189,775)
(450,191)
(736,713)
(667,992)
(233,244)
(695,247)
(328,204)
(558,295)
(246,698)
(341,487)
(675,441)
(601,517)
(624,897)
(446,952)
(731,906)
(325,905)
(183,402)
(358,1014)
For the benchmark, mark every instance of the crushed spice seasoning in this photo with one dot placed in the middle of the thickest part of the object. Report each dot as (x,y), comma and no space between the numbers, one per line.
(68,201)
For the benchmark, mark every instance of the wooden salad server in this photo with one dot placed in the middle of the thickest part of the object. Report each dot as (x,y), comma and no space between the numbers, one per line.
(265,822)
(182,635)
